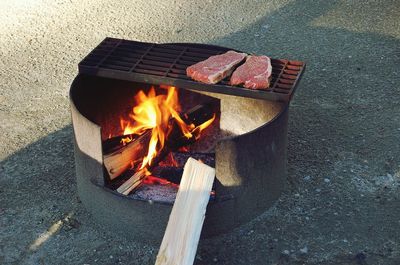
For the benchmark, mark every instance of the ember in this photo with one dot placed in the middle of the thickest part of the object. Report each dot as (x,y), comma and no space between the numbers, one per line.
(152,180)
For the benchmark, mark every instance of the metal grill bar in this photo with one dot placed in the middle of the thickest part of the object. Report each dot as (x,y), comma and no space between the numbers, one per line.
(166,64)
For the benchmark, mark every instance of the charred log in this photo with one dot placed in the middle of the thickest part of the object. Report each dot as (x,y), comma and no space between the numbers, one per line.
(125,156)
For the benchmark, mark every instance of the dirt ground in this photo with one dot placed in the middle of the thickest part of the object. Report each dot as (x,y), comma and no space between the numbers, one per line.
(342,201)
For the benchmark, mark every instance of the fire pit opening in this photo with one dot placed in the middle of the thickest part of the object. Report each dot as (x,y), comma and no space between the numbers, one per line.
(153,130)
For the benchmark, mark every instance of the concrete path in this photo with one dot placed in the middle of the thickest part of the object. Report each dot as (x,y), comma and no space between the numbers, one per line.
(342,202)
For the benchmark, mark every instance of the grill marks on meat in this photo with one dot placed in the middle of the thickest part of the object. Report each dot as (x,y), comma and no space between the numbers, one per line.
(215,68)
(255,73)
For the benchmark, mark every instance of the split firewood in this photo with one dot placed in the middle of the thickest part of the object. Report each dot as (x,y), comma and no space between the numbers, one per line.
(133,152)
(116,143)
(182,235)
(133,182)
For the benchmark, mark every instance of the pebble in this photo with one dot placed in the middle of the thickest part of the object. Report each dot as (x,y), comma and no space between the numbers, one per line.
(215,259)
(111,257)
(307,178)
(327,180)
(286,252)
(318,190)
(307,218)
(297,195)
(304,250)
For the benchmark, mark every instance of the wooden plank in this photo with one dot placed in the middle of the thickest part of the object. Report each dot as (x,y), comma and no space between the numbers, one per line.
(182,235)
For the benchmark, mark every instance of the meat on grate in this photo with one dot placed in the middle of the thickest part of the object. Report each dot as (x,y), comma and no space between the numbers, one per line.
(215,68)
(255,73)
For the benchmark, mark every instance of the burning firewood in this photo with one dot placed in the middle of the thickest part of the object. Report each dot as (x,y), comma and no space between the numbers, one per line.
(122,157)
(168,130)
(182,235)
(171,167)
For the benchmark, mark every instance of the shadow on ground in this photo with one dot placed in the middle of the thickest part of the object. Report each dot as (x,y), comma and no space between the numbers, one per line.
(343,163)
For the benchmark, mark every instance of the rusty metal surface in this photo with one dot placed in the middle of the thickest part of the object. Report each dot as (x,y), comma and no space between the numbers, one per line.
(166,64)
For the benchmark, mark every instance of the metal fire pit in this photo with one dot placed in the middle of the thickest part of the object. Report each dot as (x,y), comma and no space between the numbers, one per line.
(250,162)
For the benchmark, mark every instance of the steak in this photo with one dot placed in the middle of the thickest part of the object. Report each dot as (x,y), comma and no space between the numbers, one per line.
(215,68)
(255,73)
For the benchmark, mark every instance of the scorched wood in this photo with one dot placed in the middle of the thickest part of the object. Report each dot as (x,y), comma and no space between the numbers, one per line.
(119,161)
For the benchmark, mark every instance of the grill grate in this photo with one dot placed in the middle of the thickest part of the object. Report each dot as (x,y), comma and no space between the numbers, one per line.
(166,64)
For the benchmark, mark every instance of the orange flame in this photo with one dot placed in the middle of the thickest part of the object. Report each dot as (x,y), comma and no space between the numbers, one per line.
(154,112)
(153,180)
(173,160)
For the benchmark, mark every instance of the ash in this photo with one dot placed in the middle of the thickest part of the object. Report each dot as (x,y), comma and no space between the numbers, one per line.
(159,193)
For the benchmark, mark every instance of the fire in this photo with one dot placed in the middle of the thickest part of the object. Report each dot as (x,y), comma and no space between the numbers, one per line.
(169,161)
(153,180)
(173,161)
(155,112)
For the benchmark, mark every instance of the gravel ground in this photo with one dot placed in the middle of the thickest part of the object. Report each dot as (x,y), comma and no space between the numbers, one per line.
(342,200)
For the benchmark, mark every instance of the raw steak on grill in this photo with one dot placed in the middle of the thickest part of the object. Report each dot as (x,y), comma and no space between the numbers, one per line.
(255,73)
(215,68)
